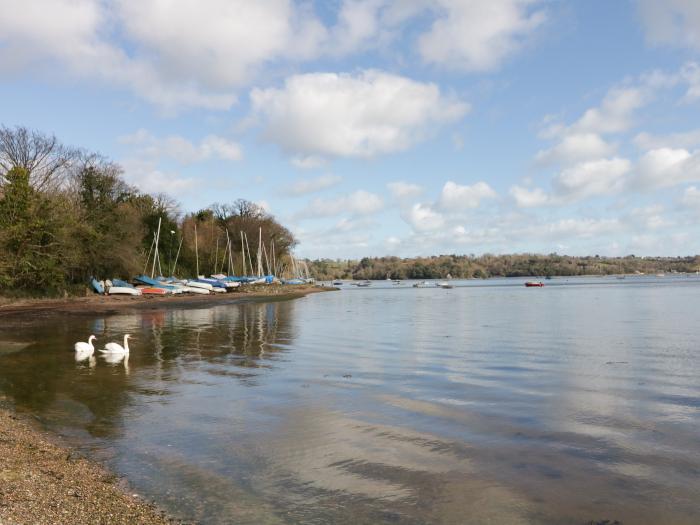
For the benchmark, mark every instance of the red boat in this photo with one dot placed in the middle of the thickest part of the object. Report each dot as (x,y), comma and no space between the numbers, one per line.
(531,284)
(152,291)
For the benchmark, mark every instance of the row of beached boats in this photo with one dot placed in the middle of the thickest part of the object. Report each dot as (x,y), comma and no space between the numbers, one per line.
(216,283)
(145,285)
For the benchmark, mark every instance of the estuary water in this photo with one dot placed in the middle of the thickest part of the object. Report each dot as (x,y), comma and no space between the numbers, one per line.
(486,403)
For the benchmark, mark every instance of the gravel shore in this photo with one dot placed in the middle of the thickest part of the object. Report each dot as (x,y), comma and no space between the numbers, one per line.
(43,482)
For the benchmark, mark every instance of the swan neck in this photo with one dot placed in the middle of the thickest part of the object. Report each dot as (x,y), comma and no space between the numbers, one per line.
(126,344)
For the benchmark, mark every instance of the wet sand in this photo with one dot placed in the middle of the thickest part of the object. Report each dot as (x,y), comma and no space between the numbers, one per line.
(107,304)
(44,482)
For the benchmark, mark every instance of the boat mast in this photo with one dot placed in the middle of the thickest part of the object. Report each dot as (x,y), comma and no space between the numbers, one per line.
(196,248)
(243,254)
(260,268)
(250,261)
(177,255)
(155,255)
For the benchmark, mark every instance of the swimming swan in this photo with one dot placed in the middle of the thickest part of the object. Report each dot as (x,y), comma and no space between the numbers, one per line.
(85,349)
(116,348)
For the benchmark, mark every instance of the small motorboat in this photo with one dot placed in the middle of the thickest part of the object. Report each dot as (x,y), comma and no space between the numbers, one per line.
(534,284)
(337,283)
(444,284)
(422,284)
(364,284)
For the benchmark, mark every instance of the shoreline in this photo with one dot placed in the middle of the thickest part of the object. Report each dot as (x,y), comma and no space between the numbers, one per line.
(115,304)
(45,481)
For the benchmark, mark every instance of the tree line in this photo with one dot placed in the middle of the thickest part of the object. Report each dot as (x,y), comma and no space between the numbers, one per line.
(67,214)
(488,265)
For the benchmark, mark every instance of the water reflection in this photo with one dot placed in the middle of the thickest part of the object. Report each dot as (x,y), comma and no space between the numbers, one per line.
(484,404)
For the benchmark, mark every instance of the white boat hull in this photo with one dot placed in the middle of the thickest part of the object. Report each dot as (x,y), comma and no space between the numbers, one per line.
(123,290)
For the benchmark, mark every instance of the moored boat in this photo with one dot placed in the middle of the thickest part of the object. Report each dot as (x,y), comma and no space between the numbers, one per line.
(534,284)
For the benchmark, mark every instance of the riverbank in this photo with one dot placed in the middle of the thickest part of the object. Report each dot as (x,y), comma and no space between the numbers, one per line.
(45,482)
(108,304)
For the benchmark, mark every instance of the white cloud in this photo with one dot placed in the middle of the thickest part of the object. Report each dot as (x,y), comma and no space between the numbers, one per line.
(342,115)
(691,198)
(306,186)
(308,162)
(615,112)
(145,175)
(478,35)
(217,43)
(358,203)
(675,22)
(685,139)
(597,177)
(665,167)
(422,218)
(181,149)
(529,198)
(581,228)
(455,197)
(575,148)
(404,190)
(70,37)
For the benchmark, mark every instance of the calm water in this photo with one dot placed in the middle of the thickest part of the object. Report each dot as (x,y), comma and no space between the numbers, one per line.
(488,403)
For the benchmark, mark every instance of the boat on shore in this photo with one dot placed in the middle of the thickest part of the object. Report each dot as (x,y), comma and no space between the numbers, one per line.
(123,290)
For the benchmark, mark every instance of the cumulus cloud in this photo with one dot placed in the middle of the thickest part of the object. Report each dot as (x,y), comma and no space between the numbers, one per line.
(306,186)
(673,22)
(455,197)
(582,228)
(144,174)
(529,198)
(198,53)
(423,218)
(358,203)
(684,139)
(665,167)
(404,190)
(691,198)
(308,162)
(478,35)
(575,148)
(615,111)
(71,36)
(342,115)
(181,149)
(597,177)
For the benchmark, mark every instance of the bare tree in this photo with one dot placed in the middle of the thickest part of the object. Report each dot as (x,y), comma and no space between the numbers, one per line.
(43,156)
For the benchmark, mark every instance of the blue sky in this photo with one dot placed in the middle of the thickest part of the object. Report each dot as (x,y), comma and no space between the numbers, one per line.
(377,127)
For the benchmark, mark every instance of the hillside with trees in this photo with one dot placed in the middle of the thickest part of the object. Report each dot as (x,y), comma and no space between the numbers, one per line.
(67,215)
(484,266)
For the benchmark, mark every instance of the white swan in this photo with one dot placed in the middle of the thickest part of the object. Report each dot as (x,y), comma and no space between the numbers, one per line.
(116,348)
(85,349)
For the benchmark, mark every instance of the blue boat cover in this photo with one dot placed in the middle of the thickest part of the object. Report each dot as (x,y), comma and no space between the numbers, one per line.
(97,286)
(145,279)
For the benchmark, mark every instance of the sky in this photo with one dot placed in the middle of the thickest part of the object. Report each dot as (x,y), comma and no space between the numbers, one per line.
(379,127)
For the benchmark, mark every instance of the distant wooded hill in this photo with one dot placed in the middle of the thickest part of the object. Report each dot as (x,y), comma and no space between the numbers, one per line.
(484,266)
